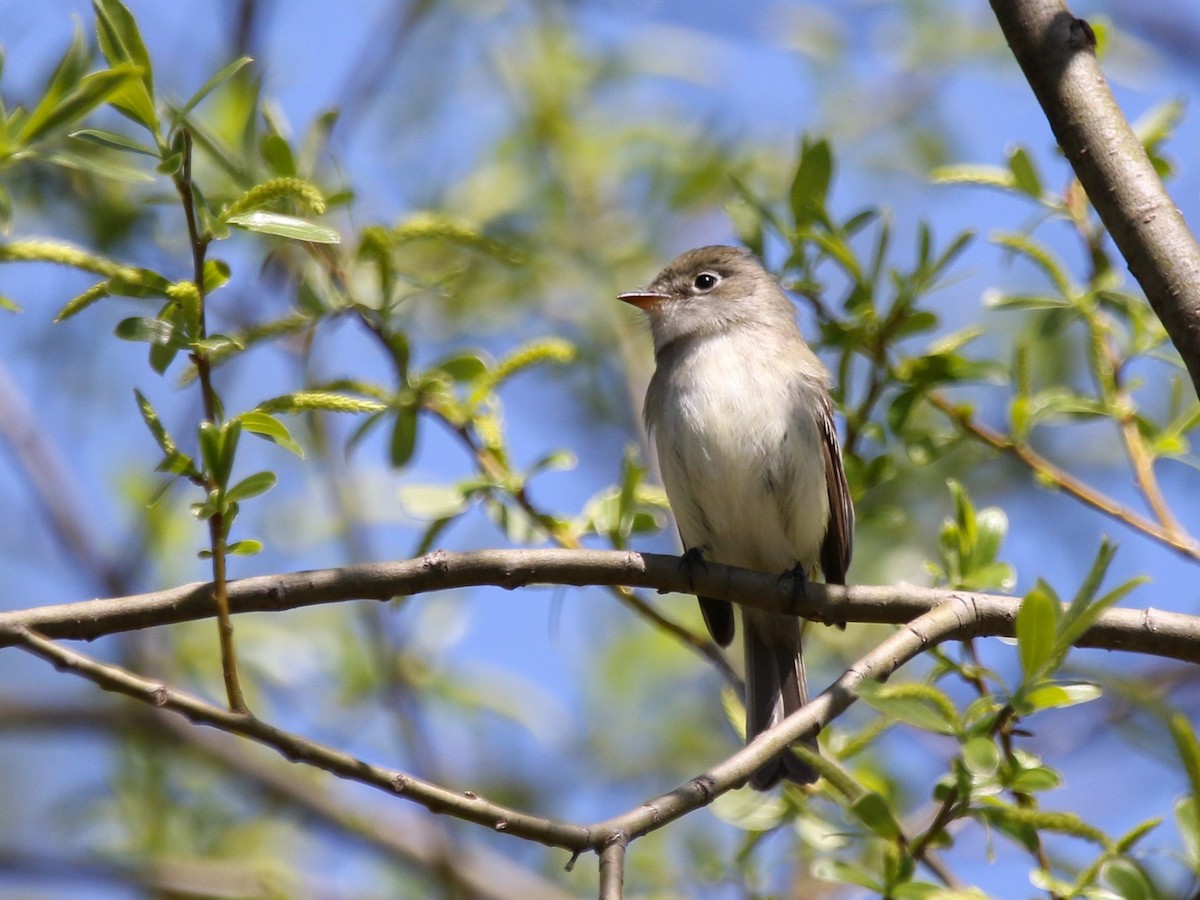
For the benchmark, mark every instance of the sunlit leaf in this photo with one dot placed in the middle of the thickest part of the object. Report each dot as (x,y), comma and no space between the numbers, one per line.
(285,226)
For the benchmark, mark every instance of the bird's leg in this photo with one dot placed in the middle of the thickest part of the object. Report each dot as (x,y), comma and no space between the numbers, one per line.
(799,583)
(693,559)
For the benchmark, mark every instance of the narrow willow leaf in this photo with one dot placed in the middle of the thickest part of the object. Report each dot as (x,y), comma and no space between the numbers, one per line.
(285,226)
(150,417)
(1025,175)
(268,427)
(121,41)
(1058,694)
(247,547)
(92,90)
(251,486)
(810,186)
(113,141)
(1189,750)
(874,811)
(209,86)
(920,705)
(1036,621)
(143,328)
(404,437)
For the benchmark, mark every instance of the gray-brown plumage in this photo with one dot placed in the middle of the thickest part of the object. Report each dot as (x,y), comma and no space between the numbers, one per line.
(741,418)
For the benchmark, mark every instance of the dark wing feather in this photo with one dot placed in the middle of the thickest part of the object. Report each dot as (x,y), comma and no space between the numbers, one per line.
(839,536)
(718,616)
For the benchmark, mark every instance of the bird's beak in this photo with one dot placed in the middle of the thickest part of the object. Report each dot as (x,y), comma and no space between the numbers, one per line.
(643,299)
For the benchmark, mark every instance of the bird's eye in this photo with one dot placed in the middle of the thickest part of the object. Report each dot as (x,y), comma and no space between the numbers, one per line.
(706,281)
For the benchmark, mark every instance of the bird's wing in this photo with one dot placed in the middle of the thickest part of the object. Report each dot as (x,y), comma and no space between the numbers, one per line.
(839,536)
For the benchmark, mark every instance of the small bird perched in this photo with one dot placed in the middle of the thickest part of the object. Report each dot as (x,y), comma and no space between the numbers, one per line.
(740,413)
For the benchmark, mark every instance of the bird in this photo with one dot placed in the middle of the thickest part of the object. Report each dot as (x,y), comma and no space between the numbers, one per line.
(740,413)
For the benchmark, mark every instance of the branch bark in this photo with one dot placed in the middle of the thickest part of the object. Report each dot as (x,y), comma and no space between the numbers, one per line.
(397,837)
(1149,631)
(1056,52)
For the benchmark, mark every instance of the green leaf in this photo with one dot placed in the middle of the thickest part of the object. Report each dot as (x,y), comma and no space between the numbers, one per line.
(71,68)
(161,357)
(404,437)
(844,873)
(120,40)
(113,141)
(1056,695)
(150,417)
(267,426)
(285,226)
(1187,820)
(1036,622)
(981,756)
(920,705)
(1025,176)
(463,367)
(876,813)
(1127,879)
(251,486)
(216,274)
(208,87)
(810,186)
(55,112)
(1084,611)
(432,502)
(1033,780)
(145,329)
(1189,750)
(247,547)
(208,437)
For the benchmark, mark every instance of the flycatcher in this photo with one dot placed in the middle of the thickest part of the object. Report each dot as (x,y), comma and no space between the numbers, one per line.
(740,414)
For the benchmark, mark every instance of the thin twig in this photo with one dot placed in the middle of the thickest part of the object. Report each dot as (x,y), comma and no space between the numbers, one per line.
(396,837)
(463,805)
(1063,480)
(216,523)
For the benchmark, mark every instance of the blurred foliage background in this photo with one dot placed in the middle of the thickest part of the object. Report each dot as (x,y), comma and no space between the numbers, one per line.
(457,374)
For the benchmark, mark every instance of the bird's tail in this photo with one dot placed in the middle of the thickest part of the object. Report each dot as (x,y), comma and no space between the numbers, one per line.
(775,688)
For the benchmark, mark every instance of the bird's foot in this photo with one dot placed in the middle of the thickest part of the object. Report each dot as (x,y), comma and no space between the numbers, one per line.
(799,582)
(691,561)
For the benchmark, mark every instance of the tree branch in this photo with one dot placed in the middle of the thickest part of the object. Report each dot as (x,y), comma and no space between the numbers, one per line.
(1056,52)
(480,870)
(464,805)
(944,622)
(1149,631)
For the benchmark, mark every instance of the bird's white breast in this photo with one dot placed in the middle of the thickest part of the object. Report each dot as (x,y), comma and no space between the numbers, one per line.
(741,456)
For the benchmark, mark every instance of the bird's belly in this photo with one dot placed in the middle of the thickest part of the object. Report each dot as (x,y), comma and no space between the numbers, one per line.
(743,470)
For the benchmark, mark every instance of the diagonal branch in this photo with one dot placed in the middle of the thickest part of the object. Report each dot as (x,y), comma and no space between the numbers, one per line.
(956,617)
(1056,51)
(946,621)
(464,805)
(1148,631)
(1043,468)
(484,872)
